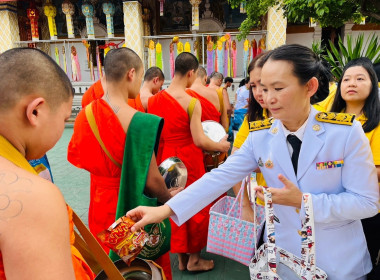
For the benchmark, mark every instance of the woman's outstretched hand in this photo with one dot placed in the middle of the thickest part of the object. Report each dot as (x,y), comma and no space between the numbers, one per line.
(144,215)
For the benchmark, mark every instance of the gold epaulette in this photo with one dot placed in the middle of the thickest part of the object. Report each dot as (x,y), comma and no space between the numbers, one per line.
(338,118)
(259,125)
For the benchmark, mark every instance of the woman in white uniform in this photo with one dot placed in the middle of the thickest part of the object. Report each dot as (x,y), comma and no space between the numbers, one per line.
(331,159)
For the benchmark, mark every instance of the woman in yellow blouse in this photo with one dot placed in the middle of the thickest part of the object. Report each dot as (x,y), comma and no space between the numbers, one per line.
(256,111)
(357,93)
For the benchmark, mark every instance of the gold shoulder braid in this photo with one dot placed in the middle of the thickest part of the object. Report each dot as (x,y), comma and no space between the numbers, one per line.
(338,118)
(259,125)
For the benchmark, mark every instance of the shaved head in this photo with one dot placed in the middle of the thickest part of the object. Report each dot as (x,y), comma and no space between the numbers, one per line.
(201,72)
(27,71)
(152,73)
(118,62)
(184,63)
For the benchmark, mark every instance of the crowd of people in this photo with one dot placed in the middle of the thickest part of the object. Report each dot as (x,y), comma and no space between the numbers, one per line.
(297,131)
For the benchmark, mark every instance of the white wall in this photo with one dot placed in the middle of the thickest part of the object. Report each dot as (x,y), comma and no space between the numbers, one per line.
(305,39)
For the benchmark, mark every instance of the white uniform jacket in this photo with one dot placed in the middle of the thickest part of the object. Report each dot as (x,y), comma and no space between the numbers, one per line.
(341,195)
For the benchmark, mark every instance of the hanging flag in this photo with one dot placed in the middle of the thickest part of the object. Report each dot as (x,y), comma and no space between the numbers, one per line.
(261,47)
(88,12)
(162,7)
(187,47)
(227,61)
(196,49)
(51,11)
(159,60)
(233,51)
(69,10)
(109,11)
(151,54)
(64,59)
(171,59)
(195,14)
(220,57)
(210,55)
(56,53)
(75,66)
(179,48)
(33,16)
(254,48)
(245,57)
(99,63)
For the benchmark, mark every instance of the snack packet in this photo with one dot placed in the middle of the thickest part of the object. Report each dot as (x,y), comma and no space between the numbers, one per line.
(119,238)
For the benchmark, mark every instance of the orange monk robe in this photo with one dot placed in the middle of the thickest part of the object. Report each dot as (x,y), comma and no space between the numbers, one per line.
(96,92)
(209,111)
(176,140)
(85,152)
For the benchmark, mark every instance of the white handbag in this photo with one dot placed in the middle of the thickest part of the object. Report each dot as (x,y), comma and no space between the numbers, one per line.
(271,262)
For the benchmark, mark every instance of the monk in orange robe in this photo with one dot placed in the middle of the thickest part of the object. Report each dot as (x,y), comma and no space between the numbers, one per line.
(36,240)
(153,81)
(216,81)
(212,103)
(112,117)
(183,137)
(212,109)
(96,91)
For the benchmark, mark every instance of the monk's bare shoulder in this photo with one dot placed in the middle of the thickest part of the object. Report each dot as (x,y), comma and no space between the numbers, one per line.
(24,195)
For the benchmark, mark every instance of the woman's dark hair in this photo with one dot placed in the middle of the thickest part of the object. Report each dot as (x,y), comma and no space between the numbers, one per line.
(306,65)
(242,83)
(371,108)
(255,111)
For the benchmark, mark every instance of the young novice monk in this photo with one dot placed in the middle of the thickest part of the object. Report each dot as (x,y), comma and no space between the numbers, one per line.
(35,223)
(96,91)
(212,104)
(113,115)
(153,81)
(183,137)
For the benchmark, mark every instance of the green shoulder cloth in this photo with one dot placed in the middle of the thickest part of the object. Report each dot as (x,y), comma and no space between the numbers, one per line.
(142,140)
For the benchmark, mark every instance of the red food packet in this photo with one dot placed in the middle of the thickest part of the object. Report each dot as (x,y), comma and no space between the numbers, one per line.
(119,238)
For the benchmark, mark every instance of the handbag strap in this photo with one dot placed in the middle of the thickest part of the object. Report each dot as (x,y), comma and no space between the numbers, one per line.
(239,197)
(271,236)
(307,232)
(94,127)
(98,252)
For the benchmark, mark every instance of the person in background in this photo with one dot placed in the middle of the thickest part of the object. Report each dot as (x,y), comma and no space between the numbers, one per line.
(257,110)
(153,81)
(357,94)
(241,104)
(342,195)
(216,80)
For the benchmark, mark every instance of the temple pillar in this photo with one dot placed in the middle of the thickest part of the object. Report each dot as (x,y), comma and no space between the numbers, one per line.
(134,27)
(276,28)
(9,31)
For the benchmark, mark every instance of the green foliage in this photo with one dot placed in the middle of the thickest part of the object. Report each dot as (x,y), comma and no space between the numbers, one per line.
(327,12)
(256,9)
(338,57)
(332,13)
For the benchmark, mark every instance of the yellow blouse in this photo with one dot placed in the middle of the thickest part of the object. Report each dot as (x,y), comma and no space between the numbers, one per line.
(372,136)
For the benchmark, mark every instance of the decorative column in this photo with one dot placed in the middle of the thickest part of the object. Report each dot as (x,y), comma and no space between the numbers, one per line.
(50,12)
(133,27)
(9,31)
(68,9)
(146,17)
(33,16)
(109,11)
(88,12)
(276,30)
(195,13)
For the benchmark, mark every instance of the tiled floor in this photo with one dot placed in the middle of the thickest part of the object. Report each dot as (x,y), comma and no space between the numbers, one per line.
(74,184)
